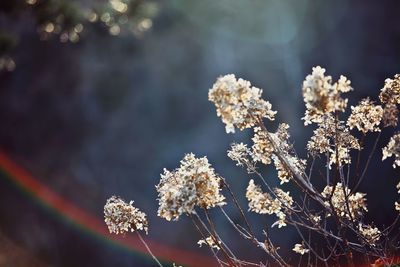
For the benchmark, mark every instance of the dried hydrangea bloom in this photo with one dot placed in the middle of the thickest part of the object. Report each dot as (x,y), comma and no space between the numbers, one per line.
(209,241)
(241,154)
(300,249)
(284,174)
(356,201)
(390,93)
(366,116)
(262,148)
(330,137)
(390,115)
(263,151)
(260,202)
(194,183)
(263,203)
(319,142)
(122,217)
(284,198)
(286,203)
(371,234)
(393,149)
(238,103)
(321,96)
(293,164)
(281,222)
(342,155)
(281,137)
(344,143)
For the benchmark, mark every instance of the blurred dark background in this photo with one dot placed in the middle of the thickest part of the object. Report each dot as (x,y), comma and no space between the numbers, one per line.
(104,114)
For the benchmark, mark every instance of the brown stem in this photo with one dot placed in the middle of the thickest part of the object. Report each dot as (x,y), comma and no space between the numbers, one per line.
(214,236)
(204,237)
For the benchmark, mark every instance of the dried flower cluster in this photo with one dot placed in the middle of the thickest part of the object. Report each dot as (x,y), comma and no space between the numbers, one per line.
(322,97)
(122,217)
(370,234)
(390,115)
(336,214)
(211,242)
(366,117)
(333,138)
(266,147)
(390,97)
(350,206)
(293,164)
(238,103)
(242,155)
(264,203)
(390,93)
(193,184)
(393,149)
(262,148)
(260,202)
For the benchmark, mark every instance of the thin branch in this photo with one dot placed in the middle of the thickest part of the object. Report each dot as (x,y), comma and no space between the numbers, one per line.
(148,249)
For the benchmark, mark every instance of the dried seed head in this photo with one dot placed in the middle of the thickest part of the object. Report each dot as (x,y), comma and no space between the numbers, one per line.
(194,183)
(264,203)
(241,154)
(390,115)
(343,201)
(262,148)
(371,234)
(393,149)
(260,202)
(322,97)
(334,138)
(238,103)
(366,116)
(390,93)
(122,217)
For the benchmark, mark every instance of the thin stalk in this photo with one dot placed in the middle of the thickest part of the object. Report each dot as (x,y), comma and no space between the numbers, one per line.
(220,262)
(148,249)
(214,235)
(367,164)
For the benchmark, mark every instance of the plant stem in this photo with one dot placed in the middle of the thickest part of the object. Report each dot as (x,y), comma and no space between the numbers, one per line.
(148,249)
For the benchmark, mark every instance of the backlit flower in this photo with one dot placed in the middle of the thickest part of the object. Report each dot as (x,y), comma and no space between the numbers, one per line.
(194,183)
(321,96)
(366,116)
(122,217)
(238,103)
(393,149)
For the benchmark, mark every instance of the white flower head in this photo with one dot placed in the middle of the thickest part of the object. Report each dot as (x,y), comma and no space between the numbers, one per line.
(122,217)
(193,184)
(393,149)
(238,103)
(323,97)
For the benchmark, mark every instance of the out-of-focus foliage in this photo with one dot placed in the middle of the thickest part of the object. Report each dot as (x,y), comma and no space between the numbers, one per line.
(68,21)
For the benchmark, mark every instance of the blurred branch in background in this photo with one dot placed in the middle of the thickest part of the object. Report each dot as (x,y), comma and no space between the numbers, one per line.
(68,21)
